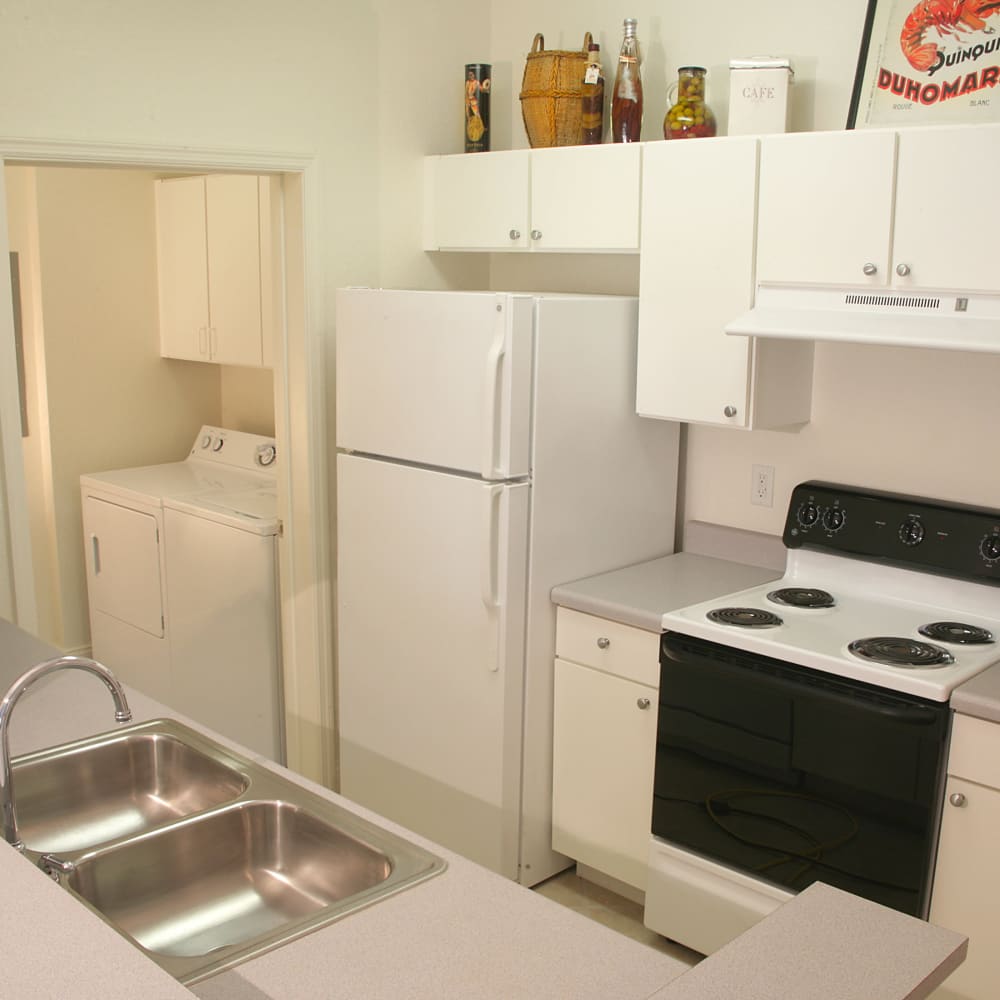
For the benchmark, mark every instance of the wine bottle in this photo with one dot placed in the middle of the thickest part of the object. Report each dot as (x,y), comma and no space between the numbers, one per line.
(626,98)
(592,119)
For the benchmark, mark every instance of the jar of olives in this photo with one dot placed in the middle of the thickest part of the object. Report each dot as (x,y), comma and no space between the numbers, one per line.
(689,117)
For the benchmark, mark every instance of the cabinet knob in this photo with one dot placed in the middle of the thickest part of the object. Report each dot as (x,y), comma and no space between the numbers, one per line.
(902,270)
(957,799)
(603,642)
(870,269)
(643,703)
(515,234)
(730,411)
(536,234)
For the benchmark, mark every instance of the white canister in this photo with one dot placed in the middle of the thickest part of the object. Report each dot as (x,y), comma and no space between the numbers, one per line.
(758,95)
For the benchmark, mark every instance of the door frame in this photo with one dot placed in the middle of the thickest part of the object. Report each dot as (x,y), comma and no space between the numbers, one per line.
(307,646)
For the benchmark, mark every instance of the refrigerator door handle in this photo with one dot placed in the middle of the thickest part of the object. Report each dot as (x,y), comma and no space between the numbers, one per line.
(489,589)
(491,395)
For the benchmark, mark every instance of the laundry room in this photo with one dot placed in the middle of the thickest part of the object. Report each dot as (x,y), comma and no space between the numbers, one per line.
(99,395)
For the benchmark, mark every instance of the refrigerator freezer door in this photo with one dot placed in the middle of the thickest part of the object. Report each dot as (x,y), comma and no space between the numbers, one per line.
(431,595)
(436,378)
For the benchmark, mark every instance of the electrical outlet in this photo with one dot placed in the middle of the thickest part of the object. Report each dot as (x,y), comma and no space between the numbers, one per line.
(762,485)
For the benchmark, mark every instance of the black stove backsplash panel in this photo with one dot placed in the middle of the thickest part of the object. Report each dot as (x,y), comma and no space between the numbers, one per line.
(930,536)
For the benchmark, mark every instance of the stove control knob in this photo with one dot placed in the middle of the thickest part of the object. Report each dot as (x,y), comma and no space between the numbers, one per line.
(990,548)
(911,531)
(834,519)
(808,514)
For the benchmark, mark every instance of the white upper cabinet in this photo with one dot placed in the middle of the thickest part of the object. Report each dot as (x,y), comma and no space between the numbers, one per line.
(215,304)
(825,207)
(695,275)
(946,221)
(878,209)
(571,199)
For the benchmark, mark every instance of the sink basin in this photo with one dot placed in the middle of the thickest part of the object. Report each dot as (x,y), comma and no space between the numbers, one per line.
(199,856)
(118,784)
(226,878)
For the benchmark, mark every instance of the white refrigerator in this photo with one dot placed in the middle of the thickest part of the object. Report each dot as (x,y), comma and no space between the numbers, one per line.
(488,449)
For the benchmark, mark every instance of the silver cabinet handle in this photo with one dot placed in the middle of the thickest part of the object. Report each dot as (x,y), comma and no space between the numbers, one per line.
(957,799)
(730,411)
(603,642)
(515,234)
(643,703)
(536,234)
(870,269)
(902,270)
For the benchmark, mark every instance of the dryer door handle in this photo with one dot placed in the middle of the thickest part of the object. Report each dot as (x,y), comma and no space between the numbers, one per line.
(95,551)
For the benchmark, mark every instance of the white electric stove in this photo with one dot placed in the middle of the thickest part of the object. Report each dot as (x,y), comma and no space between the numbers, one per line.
(803,724)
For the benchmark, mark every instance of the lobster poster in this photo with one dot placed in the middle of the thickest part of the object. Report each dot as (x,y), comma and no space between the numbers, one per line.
(927,62)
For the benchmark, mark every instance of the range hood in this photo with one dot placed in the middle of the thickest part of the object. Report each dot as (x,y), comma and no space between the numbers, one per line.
(947,320)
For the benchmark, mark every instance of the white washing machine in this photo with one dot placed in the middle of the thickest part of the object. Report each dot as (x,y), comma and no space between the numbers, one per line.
(182,581)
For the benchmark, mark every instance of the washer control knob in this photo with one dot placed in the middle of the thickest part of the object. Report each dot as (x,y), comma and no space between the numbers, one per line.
(958,799)
(206,440)
(266,454)
(990,548)
(911,531)
(218,443)
(603,642)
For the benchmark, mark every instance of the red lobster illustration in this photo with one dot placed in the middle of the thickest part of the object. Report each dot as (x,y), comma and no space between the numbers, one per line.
(947,17)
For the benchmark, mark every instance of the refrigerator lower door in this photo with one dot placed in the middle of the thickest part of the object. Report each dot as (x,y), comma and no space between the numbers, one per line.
(436,378)
(431,595)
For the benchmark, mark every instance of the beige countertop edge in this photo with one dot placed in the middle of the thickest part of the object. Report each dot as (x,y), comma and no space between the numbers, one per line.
(880,953)
(465,933)
(979,696)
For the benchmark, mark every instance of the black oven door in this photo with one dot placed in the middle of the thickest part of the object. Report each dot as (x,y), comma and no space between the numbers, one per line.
(795,776)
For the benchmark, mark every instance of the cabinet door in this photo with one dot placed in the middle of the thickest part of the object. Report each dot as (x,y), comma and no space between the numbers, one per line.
(602,782)
(479,201)
(695,275)
(946,224)
(825,207)
(234,268)
(966,883)
(585,198)
(182,263)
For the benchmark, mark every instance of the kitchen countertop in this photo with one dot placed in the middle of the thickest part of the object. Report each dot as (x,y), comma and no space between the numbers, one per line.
(464,933)
(639,595)
(979,696)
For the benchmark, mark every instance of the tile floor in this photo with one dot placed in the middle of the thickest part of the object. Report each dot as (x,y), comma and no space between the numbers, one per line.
(610,909)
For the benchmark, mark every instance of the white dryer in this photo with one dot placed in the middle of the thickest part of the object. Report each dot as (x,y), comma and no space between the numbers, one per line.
(133,628)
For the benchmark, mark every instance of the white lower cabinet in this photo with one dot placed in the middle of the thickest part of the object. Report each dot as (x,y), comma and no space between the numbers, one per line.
(966,895)
(606,680)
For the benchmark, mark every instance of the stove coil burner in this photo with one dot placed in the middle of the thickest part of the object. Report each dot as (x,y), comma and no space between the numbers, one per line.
(802,597)
(744,617)
(958,632)
(897,652)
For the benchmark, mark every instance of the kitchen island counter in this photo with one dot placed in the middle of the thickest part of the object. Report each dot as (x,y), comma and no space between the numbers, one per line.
(465,933)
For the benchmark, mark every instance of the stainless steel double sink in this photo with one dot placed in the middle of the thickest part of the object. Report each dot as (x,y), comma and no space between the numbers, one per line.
(199,856)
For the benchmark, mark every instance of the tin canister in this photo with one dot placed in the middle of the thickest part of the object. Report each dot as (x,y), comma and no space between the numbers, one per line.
(758,95)
(477,107)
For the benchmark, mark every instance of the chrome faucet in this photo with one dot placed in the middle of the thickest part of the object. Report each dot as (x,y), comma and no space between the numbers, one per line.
(10,699)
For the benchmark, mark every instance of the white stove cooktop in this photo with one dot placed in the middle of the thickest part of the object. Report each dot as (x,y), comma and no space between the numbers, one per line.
(872,599)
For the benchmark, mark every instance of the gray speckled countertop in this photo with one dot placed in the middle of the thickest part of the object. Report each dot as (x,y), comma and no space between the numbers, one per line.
(465,933)
(639,595)
(979,696)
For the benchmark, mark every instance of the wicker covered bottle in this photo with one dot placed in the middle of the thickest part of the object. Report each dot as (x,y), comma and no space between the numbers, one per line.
(626,99)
